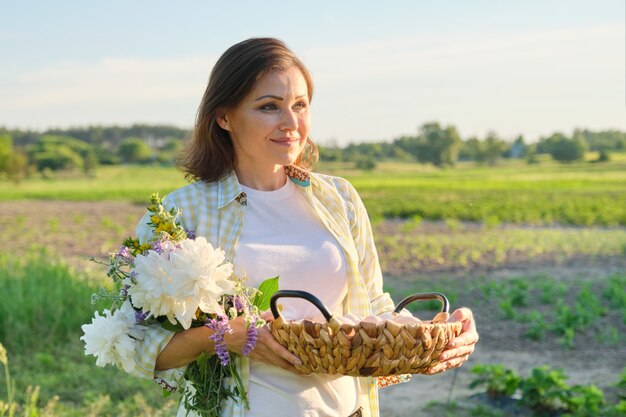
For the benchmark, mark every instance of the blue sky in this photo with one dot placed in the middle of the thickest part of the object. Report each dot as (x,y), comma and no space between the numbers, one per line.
(381,70)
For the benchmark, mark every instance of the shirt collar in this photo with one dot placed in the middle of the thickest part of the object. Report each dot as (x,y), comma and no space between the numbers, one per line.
(229,188)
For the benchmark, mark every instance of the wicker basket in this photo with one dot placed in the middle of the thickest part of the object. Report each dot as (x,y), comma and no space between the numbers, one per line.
(364,349)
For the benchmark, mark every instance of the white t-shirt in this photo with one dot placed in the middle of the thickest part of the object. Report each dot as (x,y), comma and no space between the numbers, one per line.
(281,235)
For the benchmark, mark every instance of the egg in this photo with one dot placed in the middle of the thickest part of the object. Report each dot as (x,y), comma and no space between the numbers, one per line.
(441,317)
(388,316)
(373,319)
(411,320)
(351,319)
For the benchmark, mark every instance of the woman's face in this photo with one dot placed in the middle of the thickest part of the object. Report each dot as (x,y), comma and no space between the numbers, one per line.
(269,127)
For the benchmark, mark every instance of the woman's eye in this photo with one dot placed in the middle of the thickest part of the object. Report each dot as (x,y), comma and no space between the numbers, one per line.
(268,107)
(301,105)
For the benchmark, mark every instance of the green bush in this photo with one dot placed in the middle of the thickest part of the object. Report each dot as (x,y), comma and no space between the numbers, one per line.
(545,390)
(500,382)
(62,153)
(585,401)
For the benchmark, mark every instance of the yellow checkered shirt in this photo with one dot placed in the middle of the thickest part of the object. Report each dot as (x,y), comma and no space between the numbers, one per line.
(215,210)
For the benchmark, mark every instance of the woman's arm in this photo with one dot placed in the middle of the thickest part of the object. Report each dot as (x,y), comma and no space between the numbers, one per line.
(187,345)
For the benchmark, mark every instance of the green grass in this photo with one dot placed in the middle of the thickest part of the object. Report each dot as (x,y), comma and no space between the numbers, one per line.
(581,193)
(44,303)
(130,183)
(415,246)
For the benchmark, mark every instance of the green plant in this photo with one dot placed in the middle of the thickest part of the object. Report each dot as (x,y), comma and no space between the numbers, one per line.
(549,289)
(507,309)
(499,381)
(7,408)
(614,293)
(48,303)
(617,410)
(545,390)
(565,324)
(30,406)
(538,326)
(588,307)
(518,291)
(584,401)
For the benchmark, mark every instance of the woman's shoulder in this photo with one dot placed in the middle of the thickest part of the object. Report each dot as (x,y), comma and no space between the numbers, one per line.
(189,192)
(339,184)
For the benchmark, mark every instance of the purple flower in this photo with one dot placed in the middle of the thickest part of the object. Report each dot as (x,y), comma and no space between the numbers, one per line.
(157,246)
(220,327)
(141,316)
(124,254)
(191,234)
(239,304)
(251,335)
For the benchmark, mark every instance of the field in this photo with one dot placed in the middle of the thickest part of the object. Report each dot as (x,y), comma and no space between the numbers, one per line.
(579,194)
(538,252)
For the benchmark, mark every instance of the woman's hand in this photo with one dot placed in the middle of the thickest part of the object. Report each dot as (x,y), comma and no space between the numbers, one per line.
(458,349)
(267,349)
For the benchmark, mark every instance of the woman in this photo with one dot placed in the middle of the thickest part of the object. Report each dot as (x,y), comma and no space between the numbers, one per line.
(255,198)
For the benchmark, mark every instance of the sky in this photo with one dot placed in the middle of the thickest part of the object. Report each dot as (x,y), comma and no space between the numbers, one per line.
(381,69)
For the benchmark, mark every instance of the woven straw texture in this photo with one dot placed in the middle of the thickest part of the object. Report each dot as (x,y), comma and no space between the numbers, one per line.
(366,349)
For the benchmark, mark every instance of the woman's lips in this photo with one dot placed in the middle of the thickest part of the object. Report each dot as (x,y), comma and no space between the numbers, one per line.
(285,141)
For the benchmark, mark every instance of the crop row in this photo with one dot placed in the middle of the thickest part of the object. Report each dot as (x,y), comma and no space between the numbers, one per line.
(412,246)
(545,392)
(548,306)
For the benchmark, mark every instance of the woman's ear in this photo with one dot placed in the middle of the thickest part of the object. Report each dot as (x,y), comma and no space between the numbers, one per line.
(222,121)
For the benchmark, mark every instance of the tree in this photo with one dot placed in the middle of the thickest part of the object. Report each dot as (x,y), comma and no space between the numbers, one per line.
(564,149)
(135,150)
(6,151)
(470,149)
(17,168)
(437,145)
(609,140)
(491,150)
(365,163)
(62,152)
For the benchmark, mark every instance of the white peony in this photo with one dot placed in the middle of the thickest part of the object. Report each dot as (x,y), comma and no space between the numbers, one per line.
(111,337)
(189,275)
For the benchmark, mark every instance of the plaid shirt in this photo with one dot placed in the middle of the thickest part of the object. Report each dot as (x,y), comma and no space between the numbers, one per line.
(215,210)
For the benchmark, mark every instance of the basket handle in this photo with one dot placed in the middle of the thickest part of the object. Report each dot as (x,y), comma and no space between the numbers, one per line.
(298,294)
(445,305)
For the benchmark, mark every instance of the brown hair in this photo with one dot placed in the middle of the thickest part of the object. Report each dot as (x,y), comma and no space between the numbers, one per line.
(208,153)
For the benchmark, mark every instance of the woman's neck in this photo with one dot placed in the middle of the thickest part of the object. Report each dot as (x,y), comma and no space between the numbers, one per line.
(266,180)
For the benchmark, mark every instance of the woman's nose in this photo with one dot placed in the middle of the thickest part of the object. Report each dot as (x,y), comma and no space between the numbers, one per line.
(289,121)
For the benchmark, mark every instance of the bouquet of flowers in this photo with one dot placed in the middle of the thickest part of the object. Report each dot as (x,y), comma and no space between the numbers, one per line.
(177,281)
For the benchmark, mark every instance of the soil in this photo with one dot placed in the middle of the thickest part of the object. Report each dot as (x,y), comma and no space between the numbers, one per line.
(80,230)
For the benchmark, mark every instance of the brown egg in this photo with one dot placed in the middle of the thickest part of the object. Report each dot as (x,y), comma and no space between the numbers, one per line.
(407,320)
(388,316)
(351,319)
(441,317)
(373,319)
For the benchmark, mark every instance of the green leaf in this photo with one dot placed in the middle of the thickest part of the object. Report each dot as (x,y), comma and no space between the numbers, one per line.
(266,290)
(172,327)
